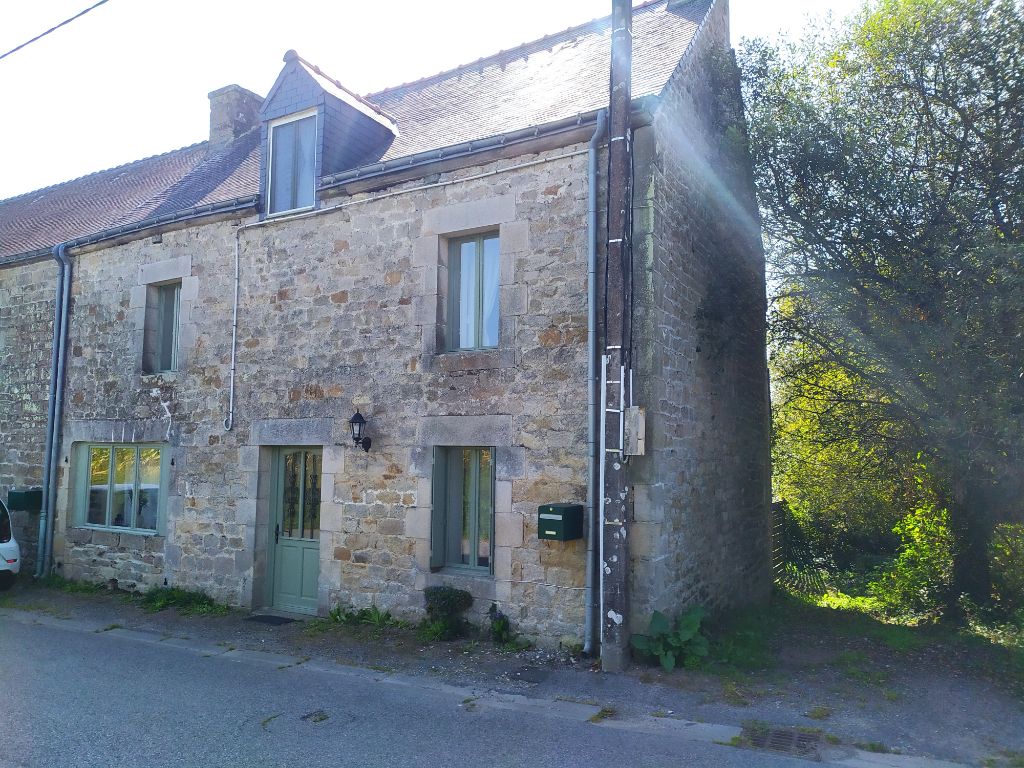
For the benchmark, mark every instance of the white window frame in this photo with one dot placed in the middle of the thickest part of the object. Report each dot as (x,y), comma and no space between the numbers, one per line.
(270,157)
(454,316)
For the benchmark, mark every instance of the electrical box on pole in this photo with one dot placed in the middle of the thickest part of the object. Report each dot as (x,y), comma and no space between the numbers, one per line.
(635,431)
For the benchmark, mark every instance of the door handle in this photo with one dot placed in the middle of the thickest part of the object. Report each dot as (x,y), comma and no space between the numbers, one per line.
(277,533)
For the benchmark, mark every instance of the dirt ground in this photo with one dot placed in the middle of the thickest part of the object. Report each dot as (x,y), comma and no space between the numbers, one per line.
(916,692)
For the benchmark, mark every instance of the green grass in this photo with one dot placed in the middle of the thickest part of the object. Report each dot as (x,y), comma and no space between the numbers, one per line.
(873,746)
(734,695)
(342,617)
(54,581)
(185,602)
(989,643)
(603,714)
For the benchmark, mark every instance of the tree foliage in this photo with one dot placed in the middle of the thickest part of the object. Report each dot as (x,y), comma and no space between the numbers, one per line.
(889,162)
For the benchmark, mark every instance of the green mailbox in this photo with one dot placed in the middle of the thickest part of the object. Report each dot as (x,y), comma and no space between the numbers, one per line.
(29,500)
(560,522)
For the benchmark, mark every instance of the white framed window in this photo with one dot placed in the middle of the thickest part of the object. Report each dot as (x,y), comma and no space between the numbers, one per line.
(462,524)
(473,277)
(123,486)
(291,146)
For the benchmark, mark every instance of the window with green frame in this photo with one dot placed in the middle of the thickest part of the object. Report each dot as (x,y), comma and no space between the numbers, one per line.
(123,486)
(473,276)
(463,514)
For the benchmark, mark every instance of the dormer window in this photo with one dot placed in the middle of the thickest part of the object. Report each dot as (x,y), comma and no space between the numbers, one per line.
(292,161)
(311,128)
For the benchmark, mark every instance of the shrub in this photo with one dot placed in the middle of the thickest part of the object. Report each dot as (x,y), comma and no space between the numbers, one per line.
(501,627)
(502,633)
(1006,554)
(920,576)
(445,606)
(683,643)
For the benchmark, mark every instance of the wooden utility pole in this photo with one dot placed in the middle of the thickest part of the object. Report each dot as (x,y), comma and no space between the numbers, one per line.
(617,502)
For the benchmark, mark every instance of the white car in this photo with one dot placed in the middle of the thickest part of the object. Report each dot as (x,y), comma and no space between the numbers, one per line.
(10,552)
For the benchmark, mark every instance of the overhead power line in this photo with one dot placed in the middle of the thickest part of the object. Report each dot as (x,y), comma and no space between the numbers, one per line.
(53,29)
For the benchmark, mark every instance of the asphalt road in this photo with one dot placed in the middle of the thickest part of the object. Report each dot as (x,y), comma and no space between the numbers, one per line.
(78,698)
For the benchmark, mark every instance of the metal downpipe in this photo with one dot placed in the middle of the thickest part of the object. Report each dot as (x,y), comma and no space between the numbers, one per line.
(58,358)
(229,420)
(591,569)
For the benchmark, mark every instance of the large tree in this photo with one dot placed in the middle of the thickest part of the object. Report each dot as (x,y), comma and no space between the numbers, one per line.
(889,161)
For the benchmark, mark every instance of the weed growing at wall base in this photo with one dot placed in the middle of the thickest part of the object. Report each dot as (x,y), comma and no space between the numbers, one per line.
(185,602)
(682,643)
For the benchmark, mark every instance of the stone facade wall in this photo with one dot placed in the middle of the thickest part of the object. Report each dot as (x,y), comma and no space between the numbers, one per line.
(346,309)
(701,530)
(26,339)
(338,311)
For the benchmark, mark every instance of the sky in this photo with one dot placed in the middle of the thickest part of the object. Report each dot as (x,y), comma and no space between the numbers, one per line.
(130,79)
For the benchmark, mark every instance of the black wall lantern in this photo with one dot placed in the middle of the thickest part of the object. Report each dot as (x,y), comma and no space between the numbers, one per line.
(358,425)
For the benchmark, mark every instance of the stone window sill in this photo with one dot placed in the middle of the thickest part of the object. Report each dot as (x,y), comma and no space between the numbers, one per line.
(162,377)
(144,534)
(474,360)
(464,572)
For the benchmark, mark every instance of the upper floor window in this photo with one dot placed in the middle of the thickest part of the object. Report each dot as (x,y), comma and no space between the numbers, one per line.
(291,169)
(160,343)
(473,270)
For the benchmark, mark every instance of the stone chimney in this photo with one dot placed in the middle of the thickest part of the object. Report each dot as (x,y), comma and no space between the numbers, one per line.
(233,111)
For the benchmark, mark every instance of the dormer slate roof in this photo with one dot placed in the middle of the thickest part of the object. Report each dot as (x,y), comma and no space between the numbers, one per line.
(334,88)
(557,77)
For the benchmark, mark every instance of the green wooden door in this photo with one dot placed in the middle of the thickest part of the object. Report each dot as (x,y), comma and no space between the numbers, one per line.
(295,542)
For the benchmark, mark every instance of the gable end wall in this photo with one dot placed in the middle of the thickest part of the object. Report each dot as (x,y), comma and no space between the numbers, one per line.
(701,532)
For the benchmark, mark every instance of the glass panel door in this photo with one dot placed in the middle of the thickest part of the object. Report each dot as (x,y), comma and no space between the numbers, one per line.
(295,545)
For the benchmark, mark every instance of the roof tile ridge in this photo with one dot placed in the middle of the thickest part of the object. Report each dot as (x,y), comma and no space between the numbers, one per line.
(486,60)
(52,187)
(361,99)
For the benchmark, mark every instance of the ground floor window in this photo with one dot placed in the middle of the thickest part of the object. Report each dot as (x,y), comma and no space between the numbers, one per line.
(463,508)
(123,486)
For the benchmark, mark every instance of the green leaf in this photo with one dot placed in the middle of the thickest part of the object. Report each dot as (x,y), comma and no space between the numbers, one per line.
(699,646)
(660,624)
(668,661)
(641,642)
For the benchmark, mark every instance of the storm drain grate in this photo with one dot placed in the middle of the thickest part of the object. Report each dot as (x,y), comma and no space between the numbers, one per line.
(276,621)
(784,740)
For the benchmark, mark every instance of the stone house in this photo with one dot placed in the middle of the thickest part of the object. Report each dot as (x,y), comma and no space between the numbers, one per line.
(418,256)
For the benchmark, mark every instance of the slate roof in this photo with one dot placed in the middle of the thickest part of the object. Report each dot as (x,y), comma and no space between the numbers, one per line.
(559,76)
(156,186)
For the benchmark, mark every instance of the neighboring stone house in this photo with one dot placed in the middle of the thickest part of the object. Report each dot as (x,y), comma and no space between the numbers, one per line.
(418,256)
